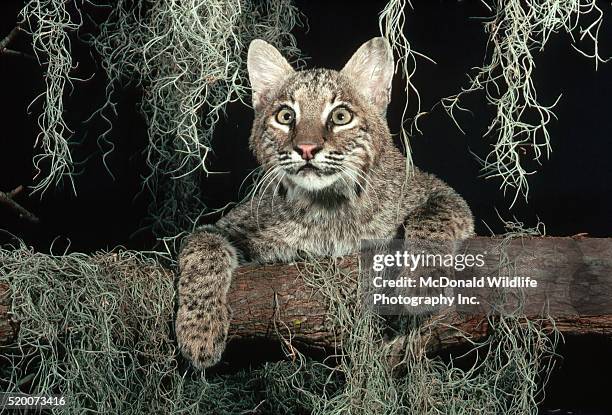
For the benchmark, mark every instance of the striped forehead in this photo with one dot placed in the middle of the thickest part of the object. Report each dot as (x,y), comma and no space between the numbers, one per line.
(314,94)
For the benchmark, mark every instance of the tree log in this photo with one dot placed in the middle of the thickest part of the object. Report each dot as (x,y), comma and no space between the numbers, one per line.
(574,277)
(273,301)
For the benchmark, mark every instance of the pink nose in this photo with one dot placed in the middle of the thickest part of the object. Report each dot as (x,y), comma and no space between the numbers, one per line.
(307,151)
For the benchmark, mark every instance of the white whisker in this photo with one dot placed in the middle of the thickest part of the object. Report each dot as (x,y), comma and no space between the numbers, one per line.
(263,192)
(260,183)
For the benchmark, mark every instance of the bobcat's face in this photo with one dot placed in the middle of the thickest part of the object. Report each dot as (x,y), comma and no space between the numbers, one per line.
(320,128)
(316,131)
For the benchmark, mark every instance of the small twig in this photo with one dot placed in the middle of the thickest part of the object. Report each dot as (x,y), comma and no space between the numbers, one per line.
(7,40)
(11,52)
(254,410)
(580,235)
(8,200)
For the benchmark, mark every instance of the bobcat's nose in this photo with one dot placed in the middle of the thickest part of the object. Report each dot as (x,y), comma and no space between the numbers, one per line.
(307,151)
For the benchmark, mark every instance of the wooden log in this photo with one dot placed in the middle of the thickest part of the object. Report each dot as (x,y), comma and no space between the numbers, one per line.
(274,301)
(8,328)
(574,278)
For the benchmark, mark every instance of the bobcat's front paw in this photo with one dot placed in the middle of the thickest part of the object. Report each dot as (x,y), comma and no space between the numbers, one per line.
(202,334)
(206,263)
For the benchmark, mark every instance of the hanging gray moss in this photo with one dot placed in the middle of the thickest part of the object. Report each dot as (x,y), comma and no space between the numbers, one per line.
(50,24)
(517,31)
(189,59)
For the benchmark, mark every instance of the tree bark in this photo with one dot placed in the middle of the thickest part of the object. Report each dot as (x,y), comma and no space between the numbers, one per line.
(273,301)
(574,278)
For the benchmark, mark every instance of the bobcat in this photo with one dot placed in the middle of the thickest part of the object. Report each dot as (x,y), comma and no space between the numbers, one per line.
(332,176)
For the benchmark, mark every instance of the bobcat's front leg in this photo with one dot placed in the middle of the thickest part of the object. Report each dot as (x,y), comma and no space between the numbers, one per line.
(436,228)
(206,264)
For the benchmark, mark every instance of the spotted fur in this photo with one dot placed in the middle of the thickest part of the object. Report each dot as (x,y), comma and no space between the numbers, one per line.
(355,187)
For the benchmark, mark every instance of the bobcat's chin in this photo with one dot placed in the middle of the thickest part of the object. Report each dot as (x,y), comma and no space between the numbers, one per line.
(312,179)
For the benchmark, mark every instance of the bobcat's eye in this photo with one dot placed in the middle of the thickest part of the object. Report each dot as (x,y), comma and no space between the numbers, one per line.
(285,116)
(341,116)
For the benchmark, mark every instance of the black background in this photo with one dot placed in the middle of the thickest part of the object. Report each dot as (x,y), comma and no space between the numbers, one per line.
(571,193)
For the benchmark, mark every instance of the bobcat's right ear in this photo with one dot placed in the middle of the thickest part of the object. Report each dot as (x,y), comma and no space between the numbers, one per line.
(267,70)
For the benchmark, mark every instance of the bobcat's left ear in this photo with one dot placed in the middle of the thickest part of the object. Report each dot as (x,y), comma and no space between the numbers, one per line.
(371,68)
(267,70)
